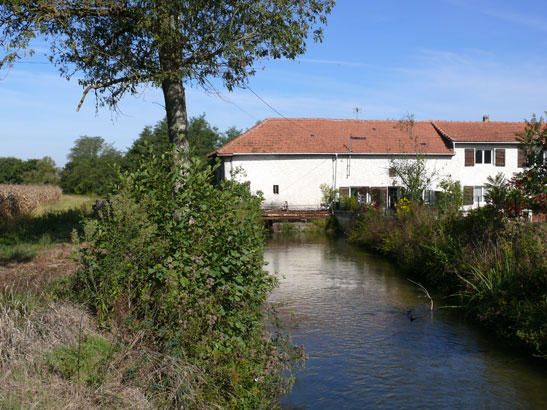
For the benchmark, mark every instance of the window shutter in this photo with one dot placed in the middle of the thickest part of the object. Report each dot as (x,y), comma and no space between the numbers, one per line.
(468,195)
(469,157)
(500,157)
(521,158)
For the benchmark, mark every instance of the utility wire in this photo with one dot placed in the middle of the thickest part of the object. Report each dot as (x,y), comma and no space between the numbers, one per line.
(277,112)
(226,99)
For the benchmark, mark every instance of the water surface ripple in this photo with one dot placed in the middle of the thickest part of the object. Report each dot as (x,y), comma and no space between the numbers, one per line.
(365,352)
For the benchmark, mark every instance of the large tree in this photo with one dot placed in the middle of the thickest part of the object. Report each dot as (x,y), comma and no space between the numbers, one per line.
(91,167)
(117,45)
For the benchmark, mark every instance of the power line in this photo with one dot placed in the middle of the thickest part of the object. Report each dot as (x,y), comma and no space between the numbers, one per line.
(277,112)
(30,62)
(226,99)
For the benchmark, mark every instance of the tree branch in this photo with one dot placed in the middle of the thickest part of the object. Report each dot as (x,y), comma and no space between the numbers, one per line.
(99,86)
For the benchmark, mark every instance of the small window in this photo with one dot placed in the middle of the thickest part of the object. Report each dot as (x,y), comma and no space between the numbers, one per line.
(276,189)
(521,160)
(468,195)
(477,194)
(392,173)
(483,156)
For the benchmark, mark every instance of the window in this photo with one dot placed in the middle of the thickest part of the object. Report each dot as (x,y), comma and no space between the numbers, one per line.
(483,156)
(392,172)
(276,189)
(521,161)
(468,195)
(478,194)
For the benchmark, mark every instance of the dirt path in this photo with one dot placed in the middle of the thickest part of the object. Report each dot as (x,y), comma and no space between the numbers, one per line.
(49,264)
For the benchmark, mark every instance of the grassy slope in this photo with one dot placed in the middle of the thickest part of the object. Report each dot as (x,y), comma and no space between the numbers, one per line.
(52,355)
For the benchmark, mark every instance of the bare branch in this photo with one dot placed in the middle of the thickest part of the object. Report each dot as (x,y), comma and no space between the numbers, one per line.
(424,290)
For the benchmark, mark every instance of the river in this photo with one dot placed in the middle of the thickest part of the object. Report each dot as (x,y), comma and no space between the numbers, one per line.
(365,352)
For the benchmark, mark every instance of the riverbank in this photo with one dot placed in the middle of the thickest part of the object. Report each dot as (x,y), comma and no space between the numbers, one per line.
(491,267)
(153,311)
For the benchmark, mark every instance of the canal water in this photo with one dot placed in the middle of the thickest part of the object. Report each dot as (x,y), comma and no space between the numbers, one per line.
(365,352)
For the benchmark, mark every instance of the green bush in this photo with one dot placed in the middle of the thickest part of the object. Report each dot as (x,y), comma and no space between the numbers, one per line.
(497,266)
(182,260)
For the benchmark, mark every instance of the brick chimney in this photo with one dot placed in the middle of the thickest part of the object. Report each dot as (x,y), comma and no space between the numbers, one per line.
(485,118)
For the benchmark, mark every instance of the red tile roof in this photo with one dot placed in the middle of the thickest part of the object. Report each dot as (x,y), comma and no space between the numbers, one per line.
(320,135)
(478,131)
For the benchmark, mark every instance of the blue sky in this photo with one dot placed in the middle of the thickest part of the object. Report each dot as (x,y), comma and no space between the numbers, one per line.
(443,59)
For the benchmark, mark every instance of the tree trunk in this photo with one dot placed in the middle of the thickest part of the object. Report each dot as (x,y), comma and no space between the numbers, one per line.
(177,120)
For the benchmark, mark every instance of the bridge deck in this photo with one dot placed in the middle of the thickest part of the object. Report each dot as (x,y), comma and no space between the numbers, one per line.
(279,215)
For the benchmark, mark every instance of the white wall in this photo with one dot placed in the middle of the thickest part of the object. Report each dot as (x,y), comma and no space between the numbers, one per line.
(299,176)
(477,174)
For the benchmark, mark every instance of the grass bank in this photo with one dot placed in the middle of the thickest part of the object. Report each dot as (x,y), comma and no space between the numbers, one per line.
(22,237)
(160,302)
(492,267)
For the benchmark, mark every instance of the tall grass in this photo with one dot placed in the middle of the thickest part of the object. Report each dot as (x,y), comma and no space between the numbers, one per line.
(496,267)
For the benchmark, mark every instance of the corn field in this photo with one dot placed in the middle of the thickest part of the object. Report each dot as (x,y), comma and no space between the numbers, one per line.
(17,199)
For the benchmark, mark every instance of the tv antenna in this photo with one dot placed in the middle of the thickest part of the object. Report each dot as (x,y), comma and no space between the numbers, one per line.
(357,110)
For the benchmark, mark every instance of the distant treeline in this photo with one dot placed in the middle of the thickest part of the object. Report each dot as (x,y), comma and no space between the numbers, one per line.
(93,164)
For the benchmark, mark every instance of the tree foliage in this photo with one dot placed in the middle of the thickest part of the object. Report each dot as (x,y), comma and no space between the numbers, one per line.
(194,284)
(33,171)
(114,46)
(91,167)
(202,136)
(532,182)
(411,174)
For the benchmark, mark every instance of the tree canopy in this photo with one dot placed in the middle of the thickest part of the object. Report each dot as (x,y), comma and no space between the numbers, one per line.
(203,138)
(114,46)
(91,166)
(533,180)
(32,171)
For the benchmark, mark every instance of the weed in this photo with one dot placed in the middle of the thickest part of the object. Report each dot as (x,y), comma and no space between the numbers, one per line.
(82,362)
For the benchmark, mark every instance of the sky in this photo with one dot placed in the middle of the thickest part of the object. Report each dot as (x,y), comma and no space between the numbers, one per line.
(436,60)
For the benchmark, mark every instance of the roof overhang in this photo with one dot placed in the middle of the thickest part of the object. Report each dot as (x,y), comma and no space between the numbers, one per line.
(429,154)
(487,142)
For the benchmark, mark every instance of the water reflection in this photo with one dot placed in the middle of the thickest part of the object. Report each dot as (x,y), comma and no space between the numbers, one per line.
(364,350)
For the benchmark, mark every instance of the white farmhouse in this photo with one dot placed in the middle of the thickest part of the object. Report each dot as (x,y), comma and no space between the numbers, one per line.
(288,159)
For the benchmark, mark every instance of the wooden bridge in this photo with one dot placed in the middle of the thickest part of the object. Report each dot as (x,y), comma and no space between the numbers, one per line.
(278,215)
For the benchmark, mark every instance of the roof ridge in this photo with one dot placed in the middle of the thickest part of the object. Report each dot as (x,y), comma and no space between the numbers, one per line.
(442,132)
(480,122)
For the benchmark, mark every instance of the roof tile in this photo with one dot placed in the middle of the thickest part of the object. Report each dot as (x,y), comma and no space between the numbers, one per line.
(321,135)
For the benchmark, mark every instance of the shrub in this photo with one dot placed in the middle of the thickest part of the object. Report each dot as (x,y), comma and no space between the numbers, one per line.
(181,259)
(496,265)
